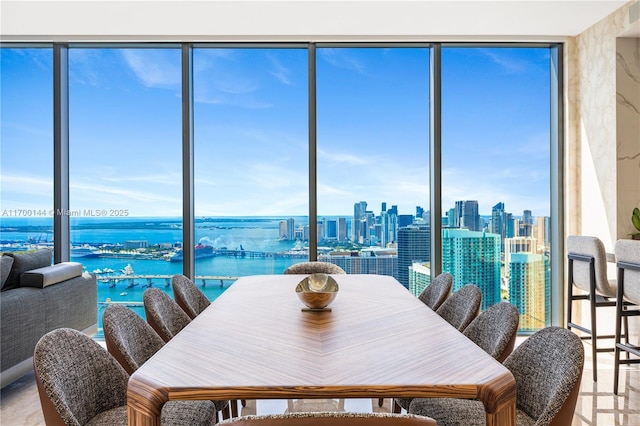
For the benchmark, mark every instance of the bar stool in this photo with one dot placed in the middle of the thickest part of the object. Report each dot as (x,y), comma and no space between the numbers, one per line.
(587,270)
(628,263)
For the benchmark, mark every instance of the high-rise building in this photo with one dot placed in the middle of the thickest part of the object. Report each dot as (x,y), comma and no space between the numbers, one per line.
(529,287)
(405,220)
(517,245)
(330,229)
(359,213)
(379,264)
(526,224)
(342,229)
(419,277)
(414,245)
(472,257)
(466,215)
(499,222)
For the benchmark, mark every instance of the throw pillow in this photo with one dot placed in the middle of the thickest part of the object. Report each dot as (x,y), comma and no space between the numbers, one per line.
(5,268)
(26,261)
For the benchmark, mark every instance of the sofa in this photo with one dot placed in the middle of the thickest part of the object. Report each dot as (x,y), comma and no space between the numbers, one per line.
(37,297)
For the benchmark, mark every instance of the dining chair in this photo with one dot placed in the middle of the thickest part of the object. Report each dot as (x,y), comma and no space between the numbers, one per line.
(494,330)
(628,264)
(462,306)
(188,296)
(79,383)
(314,267)
(331,419)
(587,271)
(132,341)
(547,368)
(163,314)
(437,291)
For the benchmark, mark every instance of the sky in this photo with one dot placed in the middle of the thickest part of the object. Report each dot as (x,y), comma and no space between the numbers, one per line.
(251,130)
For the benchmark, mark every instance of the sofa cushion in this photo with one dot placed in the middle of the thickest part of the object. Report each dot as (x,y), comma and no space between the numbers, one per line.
(25,261)
(52,274)
(5,268)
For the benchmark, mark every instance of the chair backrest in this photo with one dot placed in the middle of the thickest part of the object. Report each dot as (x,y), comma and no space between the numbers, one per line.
(188,296)
(314,267)
(129,338)
(331,419)
(437,291)
(163,313)
(547,368)
(628,252)
(77,379)
(495,330)
(591,247)
(462,306)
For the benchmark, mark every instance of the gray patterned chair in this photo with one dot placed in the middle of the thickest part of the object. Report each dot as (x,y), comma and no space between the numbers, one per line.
(163,314)
(188,296)
(332,419)
(437,291)
(80,383)
(628,263)
(587,272)
(314,267)
(494,330)
(547,368)
(131,341)
(462,307)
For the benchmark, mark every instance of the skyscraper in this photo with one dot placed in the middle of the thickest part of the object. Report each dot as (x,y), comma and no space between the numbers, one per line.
(529,287)
(499,222)
(472,258)
(413,246)
(466,215)
(359,213)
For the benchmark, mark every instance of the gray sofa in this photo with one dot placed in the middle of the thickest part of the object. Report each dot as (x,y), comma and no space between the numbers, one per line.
(38,297)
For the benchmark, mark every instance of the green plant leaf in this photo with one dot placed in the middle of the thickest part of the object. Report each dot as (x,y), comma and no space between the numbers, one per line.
(635,219)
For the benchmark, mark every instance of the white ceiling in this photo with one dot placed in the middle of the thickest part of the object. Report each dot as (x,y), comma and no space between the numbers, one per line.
(299,20)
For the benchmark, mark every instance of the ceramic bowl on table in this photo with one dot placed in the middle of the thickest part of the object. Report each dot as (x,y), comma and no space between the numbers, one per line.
(317,291)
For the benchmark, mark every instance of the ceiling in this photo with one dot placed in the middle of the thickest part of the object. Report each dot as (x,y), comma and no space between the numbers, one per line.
(312,20)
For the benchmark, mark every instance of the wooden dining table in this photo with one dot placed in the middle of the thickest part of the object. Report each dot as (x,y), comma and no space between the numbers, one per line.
(377,341)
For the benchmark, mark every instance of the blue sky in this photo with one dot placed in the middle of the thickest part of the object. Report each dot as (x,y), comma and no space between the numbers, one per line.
(251,129)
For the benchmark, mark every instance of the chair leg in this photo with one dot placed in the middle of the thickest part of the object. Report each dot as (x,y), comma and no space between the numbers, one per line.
(396,408)
(234,407)
(594,336)
(380,402)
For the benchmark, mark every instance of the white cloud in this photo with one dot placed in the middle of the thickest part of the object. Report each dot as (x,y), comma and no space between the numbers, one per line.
(154,67)
(340,58)
(338,157)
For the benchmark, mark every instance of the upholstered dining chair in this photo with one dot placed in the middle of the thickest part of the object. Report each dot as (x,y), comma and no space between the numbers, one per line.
(587,272)
(163,314)
(331,419)
(494,330)
(188,296)
(547,368)
(79,383)
(628,295)
(131,341)
(462,307)
(314,267)
(437,291)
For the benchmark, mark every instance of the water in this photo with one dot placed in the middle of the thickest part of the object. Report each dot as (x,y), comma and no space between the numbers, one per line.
(251,234)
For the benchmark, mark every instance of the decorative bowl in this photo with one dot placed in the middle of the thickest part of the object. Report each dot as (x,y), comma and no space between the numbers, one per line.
(317,291)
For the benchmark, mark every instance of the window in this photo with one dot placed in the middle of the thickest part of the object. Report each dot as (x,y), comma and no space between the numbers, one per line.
(26,131)
(495,175)
(373,160)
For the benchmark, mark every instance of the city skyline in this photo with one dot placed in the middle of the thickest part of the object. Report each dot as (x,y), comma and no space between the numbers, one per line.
(251,129)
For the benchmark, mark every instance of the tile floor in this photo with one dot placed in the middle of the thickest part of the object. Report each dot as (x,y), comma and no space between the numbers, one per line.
(597,405)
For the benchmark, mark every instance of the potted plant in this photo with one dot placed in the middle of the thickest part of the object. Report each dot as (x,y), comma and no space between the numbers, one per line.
(635,219)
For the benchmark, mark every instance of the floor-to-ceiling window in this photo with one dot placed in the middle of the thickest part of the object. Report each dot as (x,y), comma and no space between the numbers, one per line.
(254,154)
(125,182)
(26,147)
(495,175)
(373,160)
(250,159)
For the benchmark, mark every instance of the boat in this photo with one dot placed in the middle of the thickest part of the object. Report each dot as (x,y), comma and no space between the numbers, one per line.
(85,251)
(202,251)
(127,270)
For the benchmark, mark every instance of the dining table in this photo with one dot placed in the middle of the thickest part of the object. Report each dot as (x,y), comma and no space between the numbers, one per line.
(375,340)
